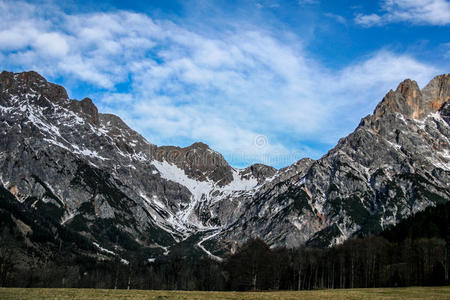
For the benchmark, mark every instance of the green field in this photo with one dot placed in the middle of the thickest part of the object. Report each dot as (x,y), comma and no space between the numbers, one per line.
(391,293)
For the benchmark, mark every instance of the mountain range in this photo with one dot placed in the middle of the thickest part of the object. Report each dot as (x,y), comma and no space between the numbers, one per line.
(72,173)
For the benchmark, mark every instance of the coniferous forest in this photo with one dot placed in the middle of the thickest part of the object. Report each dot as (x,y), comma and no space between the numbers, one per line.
(415,252)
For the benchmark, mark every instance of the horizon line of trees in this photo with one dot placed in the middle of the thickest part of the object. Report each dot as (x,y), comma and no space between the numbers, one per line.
(358,263)
(415,252)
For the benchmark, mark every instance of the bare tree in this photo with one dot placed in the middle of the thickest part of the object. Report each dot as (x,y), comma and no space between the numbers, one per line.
(6,264)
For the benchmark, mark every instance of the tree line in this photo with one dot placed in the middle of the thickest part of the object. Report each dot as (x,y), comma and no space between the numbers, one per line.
(416,252)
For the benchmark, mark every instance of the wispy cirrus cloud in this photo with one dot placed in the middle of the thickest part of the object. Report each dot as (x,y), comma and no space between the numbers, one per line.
(421,12)
(337,18)
(308,2)
(227,88)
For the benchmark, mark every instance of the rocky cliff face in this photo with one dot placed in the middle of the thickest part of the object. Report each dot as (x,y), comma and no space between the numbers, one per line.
(91,173)
(394,164)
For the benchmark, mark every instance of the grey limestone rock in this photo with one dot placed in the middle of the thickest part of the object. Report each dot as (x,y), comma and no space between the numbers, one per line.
(90,172)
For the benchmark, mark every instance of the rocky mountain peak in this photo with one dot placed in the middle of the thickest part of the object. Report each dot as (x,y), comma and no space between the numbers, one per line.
(33,84)
(87,109)
(29,78)
(259,171)
(199,145)
(406,99)
(198,161)
(410,91)
(437,93)
(413,103)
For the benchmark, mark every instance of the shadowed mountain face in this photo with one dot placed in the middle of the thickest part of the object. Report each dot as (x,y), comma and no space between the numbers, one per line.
(90,173)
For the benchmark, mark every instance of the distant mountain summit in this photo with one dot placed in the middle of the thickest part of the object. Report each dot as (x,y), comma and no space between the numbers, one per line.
(395,163)
(413,103)
(90,173)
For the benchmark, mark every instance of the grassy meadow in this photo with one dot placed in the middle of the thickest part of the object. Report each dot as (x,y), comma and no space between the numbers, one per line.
(366,294)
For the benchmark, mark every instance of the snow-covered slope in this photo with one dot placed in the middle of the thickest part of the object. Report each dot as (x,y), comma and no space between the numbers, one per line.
(97,168)
(93,174)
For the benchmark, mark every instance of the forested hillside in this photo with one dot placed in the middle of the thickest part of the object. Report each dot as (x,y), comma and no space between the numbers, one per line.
(415,252)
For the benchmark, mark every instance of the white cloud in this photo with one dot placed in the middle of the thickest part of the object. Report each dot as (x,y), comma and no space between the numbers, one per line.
(223,88)
(369,20)
(53,44)
(306,2)
(337,18)
(422,12)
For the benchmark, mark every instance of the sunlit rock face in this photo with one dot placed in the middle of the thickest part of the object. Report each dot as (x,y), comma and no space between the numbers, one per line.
(395,163)
(413,103)
(90,172)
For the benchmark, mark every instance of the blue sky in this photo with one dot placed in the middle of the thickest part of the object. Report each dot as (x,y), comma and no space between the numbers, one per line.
(259,81)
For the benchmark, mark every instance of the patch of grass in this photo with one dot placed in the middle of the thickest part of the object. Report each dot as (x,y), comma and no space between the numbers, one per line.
(369,294)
